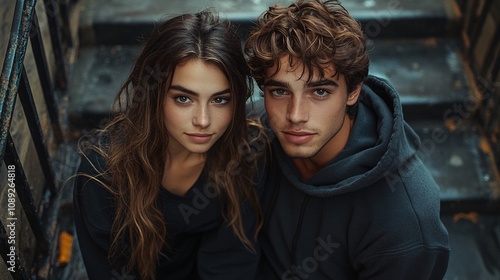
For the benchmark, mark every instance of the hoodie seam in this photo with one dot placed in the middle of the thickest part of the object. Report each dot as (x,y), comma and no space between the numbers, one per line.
(407,250)
(298,230)
(412,206)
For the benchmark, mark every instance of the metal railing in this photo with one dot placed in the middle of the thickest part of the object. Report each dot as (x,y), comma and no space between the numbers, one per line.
(481,36)
(15,83)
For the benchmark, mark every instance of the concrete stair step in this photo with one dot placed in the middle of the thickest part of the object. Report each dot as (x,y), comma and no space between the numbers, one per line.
(98,75)
(475,243)
(429,74)
(126,21)
(461,162)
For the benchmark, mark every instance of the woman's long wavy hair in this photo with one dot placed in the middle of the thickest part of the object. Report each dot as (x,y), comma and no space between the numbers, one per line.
(136,138)
(315,32)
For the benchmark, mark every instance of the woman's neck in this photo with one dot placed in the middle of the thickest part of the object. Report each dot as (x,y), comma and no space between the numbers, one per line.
(181,171)
(184,158)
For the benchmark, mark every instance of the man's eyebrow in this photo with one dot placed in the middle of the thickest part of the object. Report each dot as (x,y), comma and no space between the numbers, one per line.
(323,82)
(319,83)
(190,92)
(274,83)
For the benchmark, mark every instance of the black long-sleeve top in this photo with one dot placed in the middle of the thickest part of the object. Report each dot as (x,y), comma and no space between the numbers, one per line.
(201,245)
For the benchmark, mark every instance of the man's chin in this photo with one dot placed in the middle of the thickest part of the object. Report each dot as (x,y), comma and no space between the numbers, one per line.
(299,152)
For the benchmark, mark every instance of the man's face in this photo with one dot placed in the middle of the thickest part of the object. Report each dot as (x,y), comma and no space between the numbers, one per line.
(308,117)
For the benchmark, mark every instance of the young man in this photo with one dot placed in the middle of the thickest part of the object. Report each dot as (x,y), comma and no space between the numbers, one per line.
(347,196)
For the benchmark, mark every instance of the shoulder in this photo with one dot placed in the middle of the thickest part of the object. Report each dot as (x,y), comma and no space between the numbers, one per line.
(93,149)
(258,150)
(92,168)
(397,218)
(91,163)
(258,136)
(91,191)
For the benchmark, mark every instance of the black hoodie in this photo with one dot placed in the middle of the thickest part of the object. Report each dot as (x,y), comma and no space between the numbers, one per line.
(371,213)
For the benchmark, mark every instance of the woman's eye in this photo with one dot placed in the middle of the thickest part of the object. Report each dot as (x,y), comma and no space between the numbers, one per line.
(221,100)
(182,99)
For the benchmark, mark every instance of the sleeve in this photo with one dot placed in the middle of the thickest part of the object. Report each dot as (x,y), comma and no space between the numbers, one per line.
(93,212)
(223,256)
(406,237)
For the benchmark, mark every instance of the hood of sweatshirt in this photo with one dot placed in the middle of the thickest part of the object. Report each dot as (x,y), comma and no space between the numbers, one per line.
(380,143)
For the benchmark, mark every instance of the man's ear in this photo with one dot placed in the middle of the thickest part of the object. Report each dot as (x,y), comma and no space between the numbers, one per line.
(352,98)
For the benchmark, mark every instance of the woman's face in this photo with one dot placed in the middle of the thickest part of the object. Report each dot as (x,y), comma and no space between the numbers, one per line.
(197,107)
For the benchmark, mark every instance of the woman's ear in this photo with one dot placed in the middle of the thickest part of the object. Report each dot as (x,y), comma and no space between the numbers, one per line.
(352,98)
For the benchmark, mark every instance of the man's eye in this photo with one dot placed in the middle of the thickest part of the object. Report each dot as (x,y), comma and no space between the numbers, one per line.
(278,92)
(321,92)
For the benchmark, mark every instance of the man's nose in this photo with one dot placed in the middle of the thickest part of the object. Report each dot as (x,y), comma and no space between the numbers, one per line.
(297,110)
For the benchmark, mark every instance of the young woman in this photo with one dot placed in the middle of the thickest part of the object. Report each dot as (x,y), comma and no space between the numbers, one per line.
(166,189)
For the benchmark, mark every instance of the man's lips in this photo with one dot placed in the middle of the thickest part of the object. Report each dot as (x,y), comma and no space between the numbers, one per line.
(298,137)
(199,138)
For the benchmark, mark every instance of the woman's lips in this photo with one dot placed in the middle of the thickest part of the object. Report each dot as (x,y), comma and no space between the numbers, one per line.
(199,138)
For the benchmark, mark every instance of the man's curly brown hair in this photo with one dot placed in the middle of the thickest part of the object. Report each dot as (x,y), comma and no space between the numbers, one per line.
(315,33)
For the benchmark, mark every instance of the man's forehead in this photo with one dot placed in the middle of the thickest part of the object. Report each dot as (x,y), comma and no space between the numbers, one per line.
(300,70)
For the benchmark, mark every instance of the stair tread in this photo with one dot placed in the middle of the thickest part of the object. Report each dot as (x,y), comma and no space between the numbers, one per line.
(98,74)
(424,70)
(461,164)
(147,10)
(124,22)
(474,242)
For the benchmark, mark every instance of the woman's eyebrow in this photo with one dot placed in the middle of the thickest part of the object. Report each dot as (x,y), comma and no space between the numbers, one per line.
(190,92)
(276,83)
